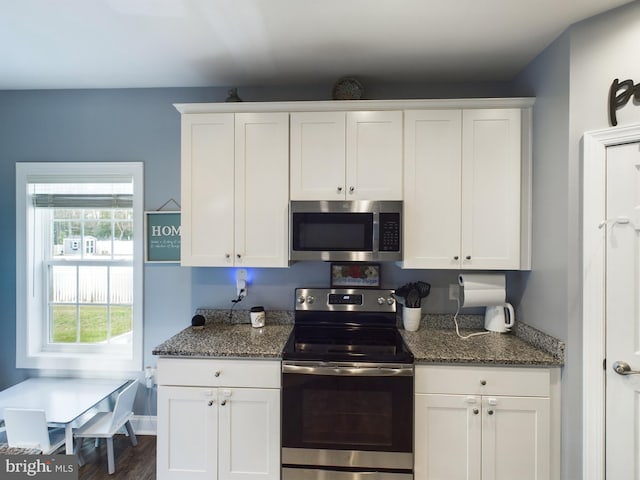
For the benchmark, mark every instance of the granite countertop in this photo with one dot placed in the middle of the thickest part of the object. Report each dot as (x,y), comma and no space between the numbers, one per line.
(7,450)
(227,340)
(436,345)
(225,336)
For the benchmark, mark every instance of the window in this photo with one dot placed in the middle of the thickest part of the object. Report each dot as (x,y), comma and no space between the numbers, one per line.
(79,265)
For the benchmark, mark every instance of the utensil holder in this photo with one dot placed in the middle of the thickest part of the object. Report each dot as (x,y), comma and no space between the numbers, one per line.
(411,318)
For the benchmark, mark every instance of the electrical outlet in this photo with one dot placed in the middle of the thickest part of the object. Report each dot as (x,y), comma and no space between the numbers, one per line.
(149,375)
(454,291)
(241,283)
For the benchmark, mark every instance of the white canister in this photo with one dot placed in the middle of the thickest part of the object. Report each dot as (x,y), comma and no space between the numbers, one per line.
(411,318)
(257,315)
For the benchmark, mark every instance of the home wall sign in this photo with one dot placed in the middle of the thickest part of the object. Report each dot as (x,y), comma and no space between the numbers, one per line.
(619,94)
(162,237)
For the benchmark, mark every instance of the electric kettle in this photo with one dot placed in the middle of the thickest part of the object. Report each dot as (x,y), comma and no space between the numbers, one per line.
(499,318)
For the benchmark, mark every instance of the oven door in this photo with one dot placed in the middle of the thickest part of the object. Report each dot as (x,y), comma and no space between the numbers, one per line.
(353,416)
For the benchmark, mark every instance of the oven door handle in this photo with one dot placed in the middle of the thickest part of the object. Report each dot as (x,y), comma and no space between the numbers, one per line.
(350,370)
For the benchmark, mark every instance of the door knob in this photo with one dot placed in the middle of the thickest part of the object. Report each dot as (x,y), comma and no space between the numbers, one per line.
(623,368)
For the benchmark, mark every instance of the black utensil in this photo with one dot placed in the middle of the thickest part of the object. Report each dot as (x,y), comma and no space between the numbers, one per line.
(413,298)
(423,288)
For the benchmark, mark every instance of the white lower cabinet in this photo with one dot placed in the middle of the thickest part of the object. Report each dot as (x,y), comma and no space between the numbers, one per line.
(477,423)
(225,429)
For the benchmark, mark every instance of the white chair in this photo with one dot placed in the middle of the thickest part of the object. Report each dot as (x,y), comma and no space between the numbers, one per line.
(27,428)
(107,424)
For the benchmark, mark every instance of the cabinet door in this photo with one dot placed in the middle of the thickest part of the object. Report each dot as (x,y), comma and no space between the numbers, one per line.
(207,177)
(249,438)
(187,433)
(261,189)
(515,438)
(317,156)
(432,183)
(491,157)
(374,155)
(448,437)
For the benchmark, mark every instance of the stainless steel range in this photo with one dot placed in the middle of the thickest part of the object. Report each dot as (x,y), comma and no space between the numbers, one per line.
(347,389)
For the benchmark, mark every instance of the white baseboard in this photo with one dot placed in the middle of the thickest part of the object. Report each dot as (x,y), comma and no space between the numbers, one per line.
(144,424)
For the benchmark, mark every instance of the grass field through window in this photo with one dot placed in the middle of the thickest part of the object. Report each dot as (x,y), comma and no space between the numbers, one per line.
(93,323)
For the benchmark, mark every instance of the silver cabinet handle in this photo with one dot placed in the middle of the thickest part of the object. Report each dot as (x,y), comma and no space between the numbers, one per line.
(352,189)
(339,189)
(476,411)
(490,412)
(223,403)
(623,368)
(217,373)
(210,403)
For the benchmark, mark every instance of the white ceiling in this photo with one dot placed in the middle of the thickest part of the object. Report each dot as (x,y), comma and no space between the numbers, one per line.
(168,43)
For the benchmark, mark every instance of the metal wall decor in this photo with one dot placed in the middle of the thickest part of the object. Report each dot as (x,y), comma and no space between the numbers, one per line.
(619,94)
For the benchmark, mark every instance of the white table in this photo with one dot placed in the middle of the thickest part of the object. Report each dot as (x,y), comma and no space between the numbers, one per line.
(63,399)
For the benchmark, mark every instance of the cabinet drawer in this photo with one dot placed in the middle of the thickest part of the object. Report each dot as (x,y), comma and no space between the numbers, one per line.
(514,381)
(218,373)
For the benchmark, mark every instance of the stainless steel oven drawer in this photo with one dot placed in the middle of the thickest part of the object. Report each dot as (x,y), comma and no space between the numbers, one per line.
(347,458)
(318,474)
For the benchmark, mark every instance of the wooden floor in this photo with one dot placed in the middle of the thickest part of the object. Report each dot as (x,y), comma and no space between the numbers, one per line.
(137,462)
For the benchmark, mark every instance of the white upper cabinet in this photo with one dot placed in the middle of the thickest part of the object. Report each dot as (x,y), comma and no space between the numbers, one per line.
(462,168)
(346,155)
(491,157)
(463,189)
(262,189)
(432,188)
(207,180)
(318,144)
(235,176)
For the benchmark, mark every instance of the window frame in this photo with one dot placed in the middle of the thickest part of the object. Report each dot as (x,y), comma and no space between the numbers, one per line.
(31,294)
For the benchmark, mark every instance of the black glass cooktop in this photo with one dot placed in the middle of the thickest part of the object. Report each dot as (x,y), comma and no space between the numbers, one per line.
(347,344)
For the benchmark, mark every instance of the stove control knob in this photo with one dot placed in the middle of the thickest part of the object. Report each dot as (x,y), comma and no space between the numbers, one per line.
(301,299)
(390,301)
(380,300)
(310,299)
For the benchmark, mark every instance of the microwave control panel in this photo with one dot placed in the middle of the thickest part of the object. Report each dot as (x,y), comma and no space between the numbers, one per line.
(389,232)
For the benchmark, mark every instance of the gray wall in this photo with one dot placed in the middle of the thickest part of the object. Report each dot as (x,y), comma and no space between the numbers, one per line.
(142,125)
(571,81)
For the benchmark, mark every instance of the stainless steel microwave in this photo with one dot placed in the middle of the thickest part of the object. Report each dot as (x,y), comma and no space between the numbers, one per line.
(336,230)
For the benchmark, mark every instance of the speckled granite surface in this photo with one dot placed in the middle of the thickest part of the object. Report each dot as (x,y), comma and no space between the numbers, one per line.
(439,345)
(230,335)
(7,450)
(437,342)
